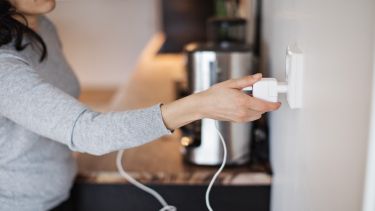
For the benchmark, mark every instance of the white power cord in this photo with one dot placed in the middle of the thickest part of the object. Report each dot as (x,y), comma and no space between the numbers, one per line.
(220,169)
(166,206)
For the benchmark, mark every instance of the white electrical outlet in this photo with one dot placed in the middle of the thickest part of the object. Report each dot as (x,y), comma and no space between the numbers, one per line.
(294,76)
(268,88)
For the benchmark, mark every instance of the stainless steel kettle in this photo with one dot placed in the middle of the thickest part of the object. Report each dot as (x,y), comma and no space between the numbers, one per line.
(209,64)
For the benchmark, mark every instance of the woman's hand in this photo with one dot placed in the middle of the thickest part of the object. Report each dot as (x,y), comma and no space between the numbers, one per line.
(224,101)
(227,102)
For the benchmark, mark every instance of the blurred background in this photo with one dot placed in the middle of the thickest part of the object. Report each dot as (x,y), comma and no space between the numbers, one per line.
(132,54)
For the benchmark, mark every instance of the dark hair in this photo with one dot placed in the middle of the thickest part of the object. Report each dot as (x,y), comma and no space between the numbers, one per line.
(12,30)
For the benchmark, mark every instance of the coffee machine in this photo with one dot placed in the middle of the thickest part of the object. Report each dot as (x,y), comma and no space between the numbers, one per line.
(225,55)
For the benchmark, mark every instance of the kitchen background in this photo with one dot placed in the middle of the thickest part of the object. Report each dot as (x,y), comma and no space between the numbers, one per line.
(318,153)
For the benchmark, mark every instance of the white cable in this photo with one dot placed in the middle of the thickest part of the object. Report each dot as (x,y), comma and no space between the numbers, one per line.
(219,170)
(166,206)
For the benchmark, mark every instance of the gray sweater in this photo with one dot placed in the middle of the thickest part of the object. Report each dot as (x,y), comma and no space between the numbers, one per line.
(41,121)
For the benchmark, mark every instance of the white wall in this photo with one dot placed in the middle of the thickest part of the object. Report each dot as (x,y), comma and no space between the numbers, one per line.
(103,38)
(369,194)
(319,152)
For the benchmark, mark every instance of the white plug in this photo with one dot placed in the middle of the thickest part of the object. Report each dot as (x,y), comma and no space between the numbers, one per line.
(267,89)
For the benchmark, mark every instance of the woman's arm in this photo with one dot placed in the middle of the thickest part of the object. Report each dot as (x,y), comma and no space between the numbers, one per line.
(43,109)
(29,101)
(224,101)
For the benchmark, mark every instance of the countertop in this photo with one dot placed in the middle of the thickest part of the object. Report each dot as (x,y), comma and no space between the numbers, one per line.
(154,81)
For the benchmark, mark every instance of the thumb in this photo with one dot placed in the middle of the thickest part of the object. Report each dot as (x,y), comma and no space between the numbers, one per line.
(243,82)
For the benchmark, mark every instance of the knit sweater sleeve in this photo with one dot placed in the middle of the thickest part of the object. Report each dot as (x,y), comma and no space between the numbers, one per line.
(45,110)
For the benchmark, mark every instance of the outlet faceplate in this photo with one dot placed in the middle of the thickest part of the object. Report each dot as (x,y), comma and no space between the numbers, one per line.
(294,76)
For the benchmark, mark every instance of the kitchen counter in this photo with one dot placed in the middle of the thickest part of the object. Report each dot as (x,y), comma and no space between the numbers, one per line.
(154,81)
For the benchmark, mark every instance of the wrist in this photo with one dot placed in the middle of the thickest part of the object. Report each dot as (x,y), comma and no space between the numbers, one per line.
(181,112)
(199,105)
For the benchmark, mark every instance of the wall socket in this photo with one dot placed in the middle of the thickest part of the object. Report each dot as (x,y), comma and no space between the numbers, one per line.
(294,76)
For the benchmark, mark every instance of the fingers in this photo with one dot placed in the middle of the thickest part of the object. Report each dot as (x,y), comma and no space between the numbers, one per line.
(251,103)
(242,82)
(261,105)
(251,109)
(247,115)
(234,105)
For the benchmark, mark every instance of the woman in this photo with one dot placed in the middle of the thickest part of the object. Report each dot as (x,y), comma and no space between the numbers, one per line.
(41,120)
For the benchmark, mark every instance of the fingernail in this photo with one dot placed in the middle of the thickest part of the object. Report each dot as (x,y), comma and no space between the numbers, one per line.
(258,75)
